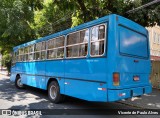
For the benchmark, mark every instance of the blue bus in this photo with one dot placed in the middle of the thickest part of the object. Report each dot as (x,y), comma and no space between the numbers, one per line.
(107,59)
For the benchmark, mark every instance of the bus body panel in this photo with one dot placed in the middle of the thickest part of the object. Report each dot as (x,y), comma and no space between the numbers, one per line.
(34,81)
(85,79)
(87,90)
(55,68)
(87,69)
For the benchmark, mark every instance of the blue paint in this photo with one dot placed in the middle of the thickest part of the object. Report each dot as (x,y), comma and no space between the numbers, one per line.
(90,78)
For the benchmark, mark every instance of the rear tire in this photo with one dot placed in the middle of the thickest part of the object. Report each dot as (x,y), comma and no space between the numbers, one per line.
(18,83)
(54,93)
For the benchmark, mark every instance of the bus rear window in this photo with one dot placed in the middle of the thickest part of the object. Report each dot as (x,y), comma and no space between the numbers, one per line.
(133,43)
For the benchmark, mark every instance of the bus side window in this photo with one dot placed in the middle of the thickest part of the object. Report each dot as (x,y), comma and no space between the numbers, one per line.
(31,52)
(77,43)
(17,56)
(84,37)
(97,40)
(26,51)
(37,52)
(43,51)
(21,55)
(55,48)
(59,46)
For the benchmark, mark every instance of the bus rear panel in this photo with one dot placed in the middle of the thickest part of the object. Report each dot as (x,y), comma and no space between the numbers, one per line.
(131,61)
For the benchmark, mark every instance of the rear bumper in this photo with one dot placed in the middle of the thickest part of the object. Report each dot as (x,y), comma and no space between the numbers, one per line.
(115,95)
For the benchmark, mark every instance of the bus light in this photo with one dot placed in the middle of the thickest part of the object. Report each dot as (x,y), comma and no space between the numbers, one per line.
(116,79)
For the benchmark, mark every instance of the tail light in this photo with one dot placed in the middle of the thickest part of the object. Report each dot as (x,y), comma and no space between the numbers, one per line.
(116,79)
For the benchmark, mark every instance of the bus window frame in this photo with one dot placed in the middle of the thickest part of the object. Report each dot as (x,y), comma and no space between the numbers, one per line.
(31,52)
(78,44)
(20,54)
(39,51)
(62,47)
(106,27)
(26,53)
(45,50)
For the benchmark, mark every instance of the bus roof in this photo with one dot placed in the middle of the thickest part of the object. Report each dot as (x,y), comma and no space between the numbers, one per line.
(79,27)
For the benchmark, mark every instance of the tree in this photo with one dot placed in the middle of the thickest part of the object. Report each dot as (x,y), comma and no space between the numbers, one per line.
(15,20)
(87,10)
(16,16)
(51,19)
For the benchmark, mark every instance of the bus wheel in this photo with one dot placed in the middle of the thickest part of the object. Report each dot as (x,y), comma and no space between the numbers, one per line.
(18,83)
(54,92)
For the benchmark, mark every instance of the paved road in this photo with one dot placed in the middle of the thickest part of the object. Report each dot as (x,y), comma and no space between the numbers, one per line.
(31,98)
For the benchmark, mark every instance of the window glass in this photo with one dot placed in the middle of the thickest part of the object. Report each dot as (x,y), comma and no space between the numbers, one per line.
(50,44)
(72,51)
(84,36)
(43,46)
(55,48)
(21,51)
(59,42)
(37,56)
(37,52)
(17,56)
(77,44)
(26,51)
(97,48)
(60,52)
(21,55)
(30,57)
(43,55)
(83,50)
(51,54)
(94,34)
(31,48)
(31,53)
(132,43)
(101,33)
(38,46)
(73,38)
(97,40)
(26,57)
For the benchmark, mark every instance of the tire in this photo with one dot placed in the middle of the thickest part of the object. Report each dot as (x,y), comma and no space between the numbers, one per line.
(54,93)
(18,83)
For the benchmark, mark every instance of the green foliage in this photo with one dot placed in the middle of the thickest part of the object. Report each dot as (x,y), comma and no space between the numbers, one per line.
(50,19)
(148,16)
(6,61)
(14,23)
(87,10)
